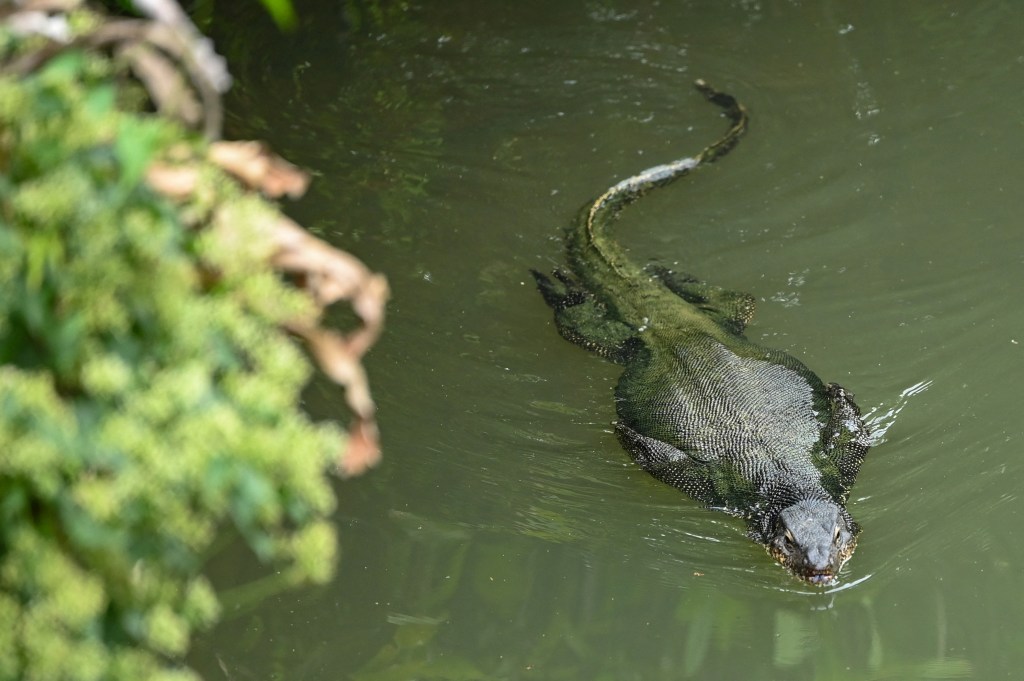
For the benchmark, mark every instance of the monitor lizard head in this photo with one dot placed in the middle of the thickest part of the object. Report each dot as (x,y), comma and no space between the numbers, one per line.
(813,538)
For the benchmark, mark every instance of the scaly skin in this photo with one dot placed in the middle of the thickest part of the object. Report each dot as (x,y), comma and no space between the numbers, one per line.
(741,428)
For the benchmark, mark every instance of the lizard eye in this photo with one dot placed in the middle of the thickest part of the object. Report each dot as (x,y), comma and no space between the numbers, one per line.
(790,539)
(835,535)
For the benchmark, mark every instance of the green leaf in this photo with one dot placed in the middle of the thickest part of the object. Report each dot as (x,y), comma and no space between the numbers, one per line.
(282,12)
(100,101)
(138,141)
(63,68)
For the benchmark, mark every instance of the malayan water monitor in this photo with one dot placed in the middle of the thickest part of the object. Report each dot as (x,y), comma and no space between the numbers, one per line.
(742,428)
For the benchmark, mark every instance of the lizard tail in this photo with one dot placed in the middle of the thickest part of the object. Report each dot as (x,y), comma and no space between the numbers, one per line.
(601,213)
(734,111)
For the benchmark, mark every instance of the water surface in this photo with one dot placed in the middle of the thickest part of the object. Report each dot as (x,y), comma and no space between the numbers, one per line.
(873,209)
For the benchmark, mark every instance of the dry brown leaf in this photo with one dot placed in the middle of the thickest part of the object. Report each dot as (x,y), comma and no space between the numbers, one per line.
(174,182)
(328,275)
(336,358)
(362,451)
(331,275)
(258,167)
(334,354)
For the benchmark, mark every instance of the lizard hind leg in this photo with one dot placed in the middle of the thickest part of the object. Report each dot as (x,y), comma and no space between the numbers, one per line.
(561,293)
(583,320)
(731,309)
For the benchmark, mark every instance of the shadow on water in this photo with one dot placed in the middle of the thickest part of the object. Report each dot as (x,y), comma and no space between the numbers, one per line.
(872,212)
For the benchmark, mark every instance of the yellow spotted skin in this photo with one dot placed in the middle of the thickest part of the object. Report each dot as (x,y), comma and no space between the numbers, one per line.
(744,429)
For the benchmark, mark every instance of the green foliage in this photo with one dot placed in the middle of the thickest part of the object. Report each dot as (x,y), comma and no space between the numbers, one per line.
(147,395)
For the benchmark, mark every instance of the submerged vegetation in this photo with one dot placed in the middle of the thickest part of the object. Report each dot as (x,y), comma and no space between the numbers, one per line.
(149,372)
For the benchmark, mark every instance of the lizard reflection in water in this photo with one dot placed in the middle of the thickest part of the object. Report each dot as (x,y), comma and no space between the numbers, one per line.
(741,428)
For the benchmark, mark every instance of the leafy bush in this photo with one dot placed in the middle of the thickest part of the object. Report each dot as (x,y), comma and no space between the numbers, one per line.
(148,396)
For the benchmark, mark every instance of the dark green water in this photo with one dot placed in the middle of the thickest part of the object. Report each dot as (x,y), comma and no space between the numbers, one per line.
(873,209)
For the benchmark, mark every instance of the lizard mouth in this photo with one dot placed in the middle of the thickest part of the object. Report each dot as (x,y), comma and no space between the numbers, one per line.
(817,576)
(820,577)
